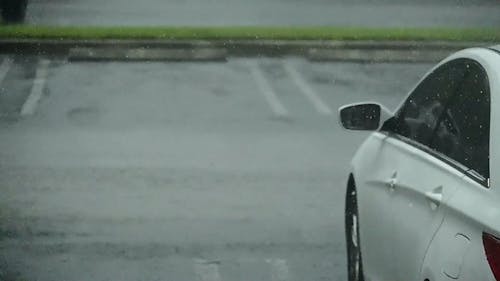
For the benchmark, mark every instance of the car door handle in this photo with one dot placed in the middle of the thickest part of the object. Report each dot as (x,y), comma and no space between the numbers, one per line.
(392,181)
(435,196)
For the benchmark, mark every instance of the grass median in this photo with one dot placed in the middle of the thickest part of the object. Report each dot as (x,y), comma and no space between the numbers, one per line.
(249,33)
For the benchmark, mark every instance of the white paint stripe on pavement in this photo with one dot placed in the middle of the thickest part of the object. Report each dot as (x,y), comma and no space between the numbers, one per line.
(310,94)
(279,269)
(266,89)
(29,106)
(206,270)
(4,68)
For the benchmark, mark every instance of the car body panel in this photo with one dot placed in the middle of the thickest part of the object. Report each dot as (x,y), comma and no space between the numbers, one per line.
(417,216)
(374,219)
(448,259)
(388,238)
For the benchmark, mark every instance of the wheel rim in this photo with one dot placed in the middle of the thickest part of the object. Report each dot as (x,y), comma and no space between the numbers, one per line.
(352,230)
(355,245)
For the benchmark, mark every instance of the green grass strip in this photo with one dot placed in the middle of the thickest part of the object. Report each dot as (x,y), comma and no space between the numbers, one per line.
(226,33)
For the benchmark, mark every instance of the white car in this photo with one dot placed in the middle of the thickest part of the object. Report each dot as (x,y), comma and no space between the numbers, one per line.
(423,200)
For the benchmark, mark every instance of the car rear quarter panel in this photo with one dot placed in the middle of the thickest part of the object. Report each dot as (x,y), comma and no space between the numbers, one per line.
(457,253)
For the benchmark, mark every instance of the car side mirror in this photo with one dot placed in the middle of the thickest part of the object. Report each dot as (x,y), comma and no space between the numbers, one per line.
(363,116)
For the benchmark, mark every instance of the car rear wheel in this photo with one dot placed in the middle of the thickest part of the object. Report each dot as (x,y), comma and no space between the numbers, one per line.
(354,261)
(13,11)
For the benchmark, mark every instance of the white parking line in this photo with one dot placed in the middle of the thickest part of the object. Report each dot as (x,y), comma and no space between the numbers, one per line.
(279,270)
(310,94)
(266,89)
(29,106)
(206,270)
(4,68)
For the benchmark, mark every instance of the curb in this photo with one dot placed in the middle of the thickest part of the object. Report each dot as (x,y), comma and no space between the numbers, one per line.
(378,55)
(121,54)
(218,50)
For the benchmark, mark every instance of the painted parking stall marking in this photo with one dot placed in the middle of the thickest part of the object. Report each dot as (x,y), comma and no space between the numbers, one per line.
(266,89)
(279,270)
(206,270)
(320,106)
(29,107)
(4,68)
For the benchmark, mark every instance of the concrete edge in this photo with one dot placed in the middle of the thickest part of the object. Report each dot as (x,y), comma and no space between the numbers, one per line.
(141,54)
(377,55)
(316,50)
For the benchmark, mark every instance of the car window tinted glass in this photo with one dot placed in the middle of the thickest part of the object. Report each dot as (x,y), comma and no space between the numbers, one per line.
(420,114)
(463,130)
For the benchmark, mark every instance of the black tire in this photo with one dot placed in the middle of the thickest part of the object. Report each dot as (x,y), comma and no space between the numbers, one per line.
(13,11)
(354,261)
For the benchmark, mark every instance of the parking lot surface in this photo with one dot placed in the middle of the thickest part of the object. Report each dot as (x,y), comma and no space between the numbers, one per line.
(179,171)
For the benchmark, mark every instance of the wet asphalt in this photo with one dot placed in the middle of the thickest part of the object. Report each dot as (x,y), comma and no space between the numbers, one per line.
(180,171)
(367,13)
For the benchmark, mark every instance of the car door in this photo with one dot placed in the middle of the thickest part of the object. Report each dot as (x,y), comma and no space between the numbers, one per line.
(384,162)
(415,180)
(431,170)
(471,112)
